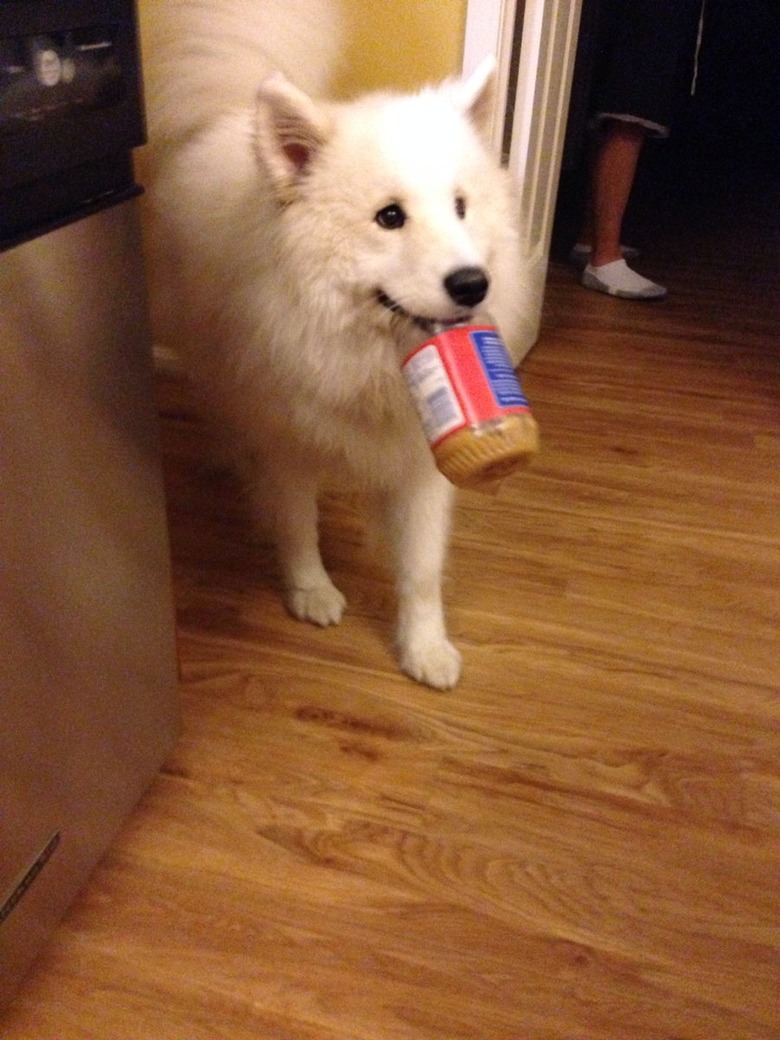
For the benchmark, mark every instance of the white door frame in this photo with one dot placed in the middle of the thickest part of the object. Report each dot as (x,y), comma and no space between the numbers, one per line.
(541,102)
(490,29)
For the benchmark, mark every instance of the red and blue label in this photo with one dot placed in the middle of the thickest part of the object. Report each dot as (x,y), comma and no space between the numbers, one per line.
(463,377)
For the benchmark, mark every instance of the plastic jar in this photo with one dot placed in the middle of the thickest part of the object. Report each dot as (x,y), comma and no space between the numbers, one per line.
(474,413)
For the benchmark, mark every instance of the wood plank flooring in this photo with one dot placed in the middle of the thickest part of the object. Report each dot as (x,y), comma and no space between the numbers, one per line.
(580,841)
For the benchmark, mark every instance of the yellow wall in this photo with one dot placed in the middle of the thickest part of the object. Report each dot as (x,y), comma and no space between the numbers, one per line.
(401,44)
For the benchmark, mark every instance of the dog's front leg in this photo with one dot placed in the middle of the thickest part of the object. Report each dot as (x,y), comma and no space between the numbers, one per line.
(285,499)
(419,525)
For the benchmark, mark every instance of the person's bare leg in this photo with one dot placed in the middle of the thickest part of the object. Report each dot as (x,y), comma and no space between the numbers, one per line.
(614,169)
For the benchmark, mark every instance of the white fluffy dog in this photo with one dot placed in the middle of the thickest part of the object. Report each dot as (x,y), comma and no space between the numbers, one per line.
(295,242)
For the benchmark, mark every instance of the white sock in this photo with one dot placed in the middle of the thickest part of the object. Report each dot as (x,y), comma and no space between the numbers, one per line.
(617,276)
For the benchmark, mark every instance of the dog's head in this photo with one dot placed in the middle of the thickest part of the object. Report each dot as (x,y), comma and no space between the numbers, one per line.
(396,199)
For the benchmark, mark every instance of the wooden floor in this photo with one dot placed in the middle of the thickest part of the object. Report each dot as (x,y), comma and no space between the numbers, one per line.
(580,841)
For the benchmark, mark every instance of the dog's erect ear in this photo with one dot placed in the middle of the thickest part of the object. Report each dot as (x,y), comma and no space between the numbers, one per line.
(290,129)
(476,96)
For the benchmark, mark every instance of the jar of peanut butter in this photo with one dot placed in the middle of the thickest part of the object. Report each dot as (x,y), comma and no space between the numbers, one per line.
(474,413)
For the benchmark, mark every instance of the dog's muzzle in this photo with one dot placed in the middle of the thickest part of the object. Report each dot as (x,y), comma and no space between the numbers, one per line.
(466,286)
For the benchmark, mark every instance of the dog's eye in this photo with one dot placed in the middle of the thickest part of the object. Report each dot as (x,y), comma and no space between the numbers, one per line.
(391,217)
(460,206)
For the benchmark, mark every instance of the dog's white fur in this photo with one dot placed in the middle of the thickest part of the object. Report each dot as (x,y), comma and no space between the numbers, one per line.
(268,262)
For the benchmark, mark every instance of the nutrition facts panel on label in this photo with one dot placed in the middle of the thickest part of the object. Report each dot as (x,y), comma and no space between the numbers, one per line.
(436,401)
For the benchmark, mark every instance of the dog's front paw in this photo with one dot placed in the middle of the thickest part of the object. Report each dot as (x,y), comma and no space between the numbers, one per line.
(434,662)
(322,605)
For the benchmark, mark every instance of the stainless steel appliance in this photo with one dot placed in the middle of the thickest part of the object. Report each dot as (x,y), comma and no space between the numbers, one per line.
(87,656)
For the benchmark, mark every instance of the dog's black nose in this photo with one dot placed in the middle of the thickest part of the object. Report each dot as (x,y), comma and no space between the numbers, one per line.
(467,286)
